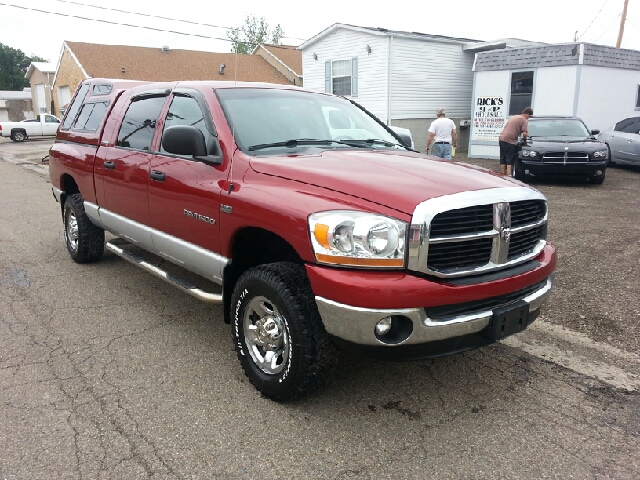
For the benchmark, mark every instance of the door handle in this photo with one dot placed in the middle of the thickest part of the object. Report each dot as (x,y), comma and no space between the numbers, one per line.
(110,165)
(156,175)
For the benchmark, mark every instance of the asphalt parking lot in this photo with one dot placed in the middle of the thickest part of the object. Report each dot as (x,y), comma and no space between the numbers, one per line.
(109,373)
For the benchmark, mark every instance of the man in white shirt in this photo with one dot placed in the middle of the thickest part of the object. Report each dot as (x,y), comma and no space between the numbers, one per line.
(442,133)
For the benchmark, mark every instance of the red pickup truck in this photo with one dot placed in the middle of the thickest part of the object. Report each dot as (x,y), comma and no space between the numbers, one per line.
(321,228)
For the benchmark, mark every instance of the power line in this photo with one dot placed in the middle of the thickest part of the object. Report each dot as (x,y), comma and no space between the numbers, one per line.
(115,23)
(608,28)
(594,18)
(600,32)
(155,16)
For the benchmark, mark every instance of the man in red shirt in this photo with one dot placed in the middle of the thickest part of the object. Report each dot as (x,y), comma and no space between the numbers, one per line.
(515,126)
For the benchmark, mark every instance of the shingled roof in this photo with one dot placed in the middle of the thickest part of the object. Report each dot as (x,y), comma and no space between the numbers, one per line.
(287,54)
(154,64)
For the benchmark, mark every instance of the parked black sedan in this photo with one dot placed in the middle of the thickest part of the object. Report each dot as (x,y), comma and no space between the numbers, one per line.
(561,146)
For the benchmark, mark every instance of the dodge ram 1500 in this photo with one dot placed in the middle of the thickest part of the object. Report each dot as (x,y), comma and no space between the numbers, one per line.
(321,228)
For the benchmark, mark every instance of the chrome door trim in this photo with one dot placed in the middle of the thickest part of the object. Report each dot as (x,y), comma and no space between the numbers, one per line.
(196,259)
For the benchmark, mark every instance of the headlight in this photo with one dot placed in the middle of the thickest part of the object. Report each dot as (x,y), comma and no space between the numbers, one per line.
(358,239)
(600,153)
(528,153)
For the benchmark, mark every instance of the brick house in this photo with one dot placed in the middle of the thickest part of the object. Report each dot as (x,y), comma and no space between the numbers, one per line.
(79,61)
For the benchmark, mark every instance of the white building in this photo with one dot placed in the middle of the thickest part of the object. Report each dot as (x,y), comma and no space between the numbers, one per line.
(599,84)
(401,77)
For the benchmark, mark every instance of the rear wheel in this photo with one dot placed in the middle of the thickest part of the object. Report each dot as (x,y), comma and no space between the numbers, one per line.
(85,241)
(18,136)
(278,333)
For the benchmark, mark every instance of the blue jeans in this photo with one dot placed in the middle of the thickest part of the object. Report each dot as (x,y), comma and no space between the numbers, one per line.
(442,150)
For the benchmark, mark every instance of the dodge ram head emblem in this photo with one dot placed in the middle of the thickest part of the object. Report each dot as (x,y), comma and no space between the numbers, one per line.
(502,226)
(505,233)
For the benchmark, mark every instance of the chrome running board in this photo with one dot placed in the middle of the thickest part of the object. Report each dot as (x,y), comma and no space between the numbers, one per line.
(116,246)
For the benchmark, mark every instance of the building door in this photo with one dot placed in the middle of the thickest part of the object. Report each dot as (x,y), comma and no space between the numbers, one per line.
(41,99)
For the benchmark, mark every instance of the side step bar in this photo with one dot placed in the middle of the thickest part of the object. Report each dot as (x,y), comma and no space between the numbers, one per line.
(116,245)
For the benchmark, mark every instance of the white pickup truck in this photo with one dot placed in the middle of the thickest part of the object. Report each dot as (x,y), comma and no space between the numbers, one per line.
(41,126)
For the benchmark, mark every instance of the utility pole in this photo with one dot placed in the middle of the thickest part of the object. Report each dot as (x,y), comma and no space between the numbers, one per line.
(622,20)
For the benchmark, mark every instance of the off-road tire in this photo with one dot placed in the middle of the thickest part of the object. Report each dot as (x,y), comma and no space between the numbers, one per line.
(312,356)
(85,242)
(18,136)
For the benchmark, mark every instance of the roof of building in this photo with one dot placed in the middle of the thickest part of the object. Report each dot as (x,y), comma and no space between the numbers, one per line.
(44,67)
(15,95)
(156,64)
(384,32)
(289,55)
(558,55)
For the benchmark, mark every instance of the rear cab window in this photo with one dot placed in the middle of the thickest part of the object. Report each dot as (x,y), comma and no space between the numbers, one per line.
(74,108)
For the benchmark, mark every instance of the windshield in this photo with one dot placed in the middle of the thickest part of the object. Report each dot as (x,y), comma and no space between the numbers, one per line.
(557,127)
(269,121)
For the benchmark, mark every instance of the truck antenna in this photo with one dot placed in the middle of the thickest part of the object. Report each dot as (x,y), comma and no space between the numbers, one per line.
(233,127)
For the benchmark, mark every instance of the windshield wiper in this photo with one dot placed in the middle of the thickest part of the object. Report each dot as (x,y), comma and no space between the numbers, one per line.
(377,141)
(302,141)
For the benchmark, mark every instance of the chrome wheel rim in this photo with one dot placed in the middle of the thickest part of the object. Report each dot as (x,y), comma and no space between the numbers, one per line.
(72,231)
(266,334)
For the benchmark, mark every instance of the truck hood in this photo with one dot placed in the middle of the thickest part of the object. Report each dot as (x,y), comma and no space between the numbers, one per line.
(397,180)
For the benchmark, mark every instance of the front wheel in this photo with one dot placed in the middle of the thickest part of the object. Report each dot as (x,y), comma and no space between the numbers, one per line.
(518,171)
(85,241)
(279,337)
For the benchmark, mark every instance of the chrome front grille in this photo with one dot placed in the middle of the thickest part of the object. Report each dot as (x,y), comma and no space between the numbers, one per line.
(565,157)
(476,232)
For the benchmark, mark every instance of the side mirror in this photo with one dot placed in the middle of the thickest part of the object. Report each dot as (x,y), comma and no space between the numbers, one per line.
(595,132)
(184,140)
(189,141)
(404,138)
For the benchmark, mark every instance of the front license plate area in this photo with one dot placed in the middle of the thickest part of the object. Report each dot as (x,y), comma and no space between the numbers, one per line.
(507,321)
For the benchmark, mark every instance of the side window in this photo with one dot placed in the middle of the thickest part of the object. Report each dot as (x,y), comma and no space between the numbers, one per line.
(139,123)
(50,119)
(91,116)
(185,111)
(521,92)
(628,125)
(75,106)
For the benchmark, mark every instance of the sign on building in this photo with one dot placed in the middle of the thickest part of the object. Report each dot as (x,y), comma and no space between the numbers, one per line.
(488,118)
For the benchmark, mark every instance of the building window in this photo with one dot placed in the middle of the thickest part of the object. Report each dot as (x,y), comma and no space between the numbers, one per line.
(341,77)
(521,92)
(638,99)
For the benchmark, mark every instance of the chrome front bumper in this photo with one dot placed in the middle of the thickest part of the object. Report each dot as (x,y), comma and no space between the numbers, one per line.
(357,325)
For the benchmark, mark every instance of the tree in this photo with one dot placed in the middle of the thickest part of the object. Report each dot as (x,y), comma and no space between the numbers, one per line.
(254,32)
(13,66)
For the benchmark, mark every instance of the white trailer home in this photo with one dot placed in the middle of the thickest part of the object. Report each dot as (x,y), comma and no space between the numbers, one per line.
(599,84)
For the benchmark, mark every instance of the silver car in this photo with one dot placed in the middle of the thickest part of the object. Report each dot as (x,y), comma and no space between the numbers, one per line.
(623,140)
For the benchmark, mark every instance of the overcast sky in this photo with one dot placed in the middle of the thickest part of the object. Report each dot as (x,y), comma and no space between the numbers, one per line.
(552,21)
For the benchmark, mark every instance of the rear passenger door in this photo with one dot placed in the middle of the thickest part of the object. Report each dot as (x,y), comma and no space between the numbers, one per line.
(124,168)
(184,194)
